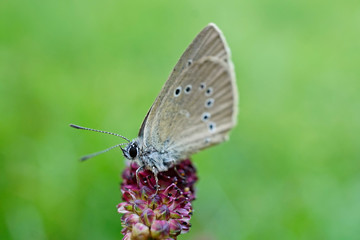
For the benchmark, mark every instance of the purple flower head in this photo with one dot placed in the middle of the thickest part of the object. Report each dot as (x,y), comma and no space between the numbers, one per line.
(161,215)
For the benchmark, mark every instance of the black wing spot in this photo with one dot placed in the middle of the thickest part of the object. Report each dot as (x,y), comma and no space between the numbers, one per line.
(212,127)
(209,91)
(209,102)
(177,91)
(205,116)
(188,89)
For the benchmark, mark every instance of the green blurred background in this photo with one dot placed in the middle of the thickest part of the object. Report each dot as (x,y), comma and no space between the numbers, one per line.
(290,170)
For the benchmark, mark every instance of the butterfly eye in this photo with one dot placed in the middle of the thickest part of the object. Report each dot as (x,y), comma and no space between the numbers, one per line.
(188,89)
(133,151)
(177,91)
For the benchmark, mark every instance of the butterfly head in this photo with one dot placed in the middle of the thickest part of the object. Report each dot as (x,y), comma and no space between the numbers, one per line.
(131,151)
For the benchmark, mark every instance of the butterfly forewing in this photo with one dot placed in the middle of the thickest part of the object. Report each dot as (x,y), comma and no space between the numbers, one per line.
(197,105)
(209,42)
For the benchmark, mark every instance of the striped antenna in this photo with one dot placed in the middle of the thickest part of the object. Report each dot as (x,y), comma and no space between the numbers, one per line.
(98,153)
(95,130)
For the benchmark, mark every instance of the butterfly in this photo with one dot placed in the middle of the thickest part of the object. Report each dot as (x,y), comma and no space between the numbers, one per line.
(195,109)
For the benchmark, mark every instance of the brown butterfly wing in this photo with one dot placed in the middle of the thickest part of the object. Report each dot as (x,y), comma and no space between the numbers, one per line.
(177,123)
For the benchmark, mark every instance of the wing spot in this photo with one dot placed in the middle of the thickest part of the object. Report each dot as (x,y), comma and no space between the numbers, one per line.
(202,86)
(188,89)
(185,113)
(189,62)
(177,91)
(205,116)
(209,91)
(209,102)
(207,140)
(212,127)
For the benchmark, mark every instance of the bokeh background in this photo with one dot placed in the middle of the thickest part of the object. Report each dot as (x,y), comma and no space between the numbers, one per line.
(290,170)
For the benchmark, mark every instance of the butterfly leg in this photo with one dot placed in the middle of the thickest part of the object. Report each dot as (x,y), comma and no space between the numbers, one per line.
(178,173)
(137,175)
(155,171)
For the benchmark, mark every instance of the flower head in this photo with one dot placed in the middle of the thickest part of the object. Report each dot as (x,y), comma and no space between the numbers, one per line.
(162,214)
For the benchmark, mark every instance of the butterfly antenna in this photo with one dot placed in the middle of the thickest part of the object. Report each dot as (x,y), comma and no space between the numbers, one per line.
(98,153)
(95,130)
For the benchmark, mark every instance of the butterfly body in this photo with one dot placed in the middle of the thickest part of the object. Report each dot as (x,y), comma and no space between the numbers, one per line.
(149,157)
